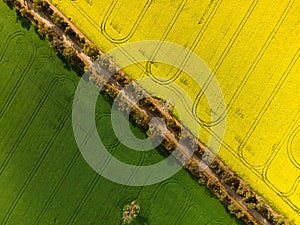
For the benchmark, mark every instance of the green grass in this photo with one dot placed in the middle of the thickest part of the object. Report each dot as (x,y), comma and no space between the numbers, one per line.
(43,178)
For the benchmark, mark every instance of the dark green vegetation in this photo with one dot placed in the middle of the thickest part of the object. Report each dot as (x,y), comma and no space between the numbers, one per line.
(43,178)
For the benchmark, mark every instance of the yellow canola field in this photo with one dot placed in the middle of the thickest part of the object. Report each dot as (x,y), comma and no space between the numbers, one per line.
(252,47)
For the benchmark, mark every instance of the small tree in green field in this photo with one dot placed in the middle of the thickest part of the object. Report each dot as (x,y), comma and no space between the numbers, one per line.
(130,212)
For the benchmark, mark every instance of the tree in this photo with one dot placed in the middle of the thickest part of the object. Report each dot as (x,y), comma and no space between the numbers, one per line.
(103,61)
(262,208)
(80,39)
(153,131)
(57,45)
(123,104)
(71,56)
(233,208)
(172,125)
(130,212)
(193,166)
(10,3)
(45,31)
(25,13)
(69,31)
(58,21)
(112,69)
(199,150)
(91,51)
(40,5)
(279,220)
(121,78)
(232,181)
(17,4)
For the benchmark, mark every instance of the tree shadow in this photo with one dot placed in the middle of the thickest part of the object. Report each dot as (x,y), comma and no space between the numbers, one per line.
(69,66)
(10,5)
(40,36)
(25,23)
(141,220)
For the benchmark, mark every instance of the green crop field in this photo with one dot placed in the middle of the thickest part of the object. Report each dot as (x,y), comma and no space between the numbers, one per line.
(43,177)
